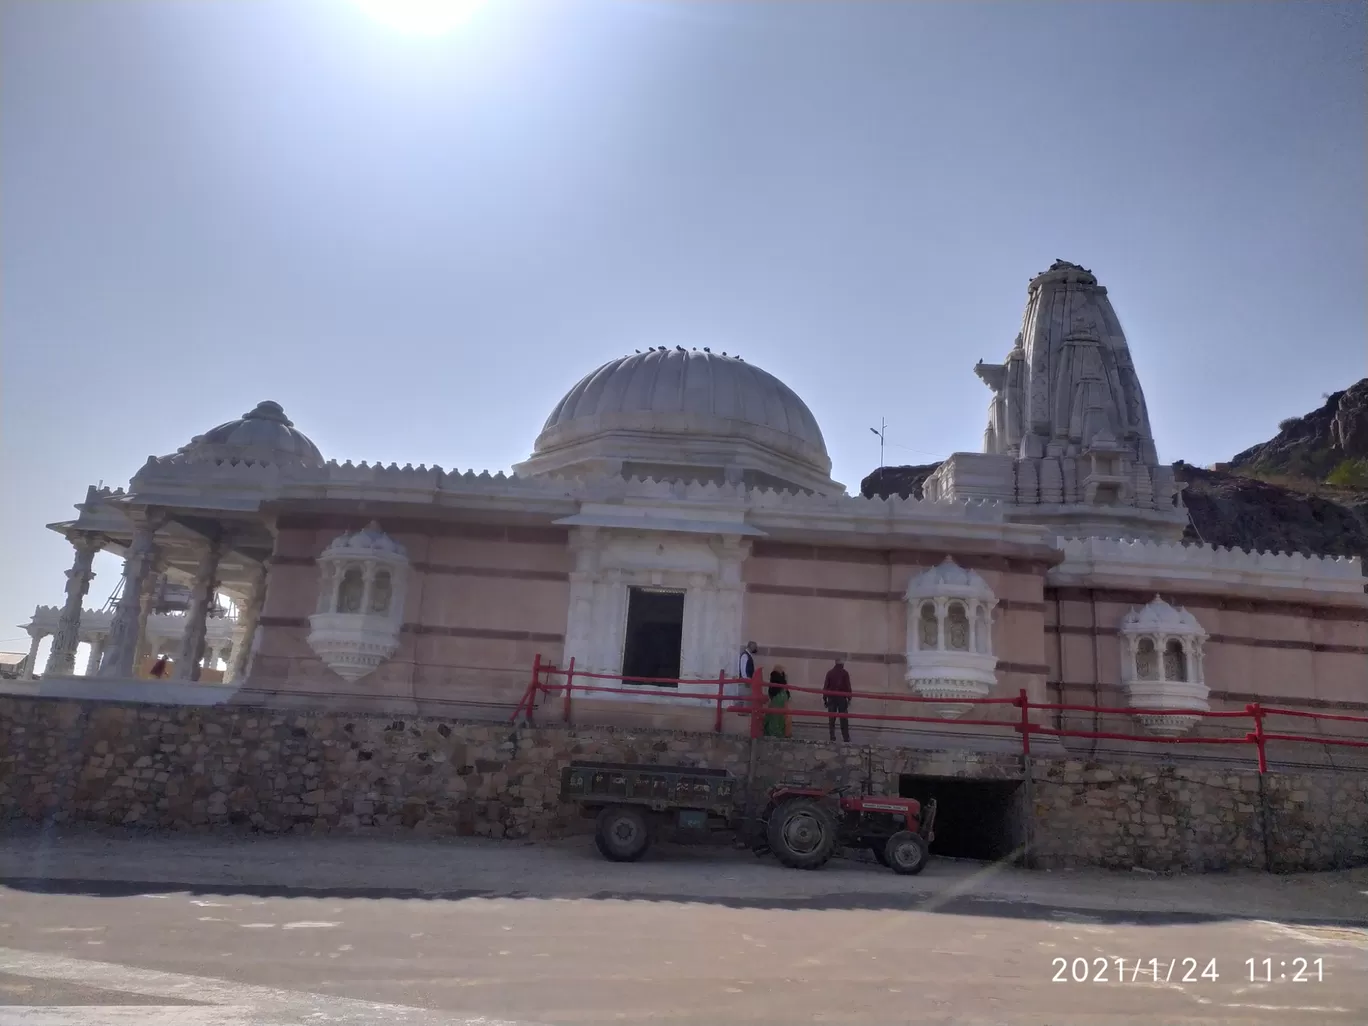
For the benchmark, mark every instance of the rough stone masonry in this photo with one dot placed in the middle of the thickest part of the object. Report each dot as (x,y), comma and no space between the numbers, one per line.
(188,768)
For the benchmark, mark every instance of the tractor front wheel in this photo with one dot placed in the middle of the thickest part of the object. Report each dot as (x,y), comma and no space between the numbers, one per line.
(622,833)
(906,853)
(802,833)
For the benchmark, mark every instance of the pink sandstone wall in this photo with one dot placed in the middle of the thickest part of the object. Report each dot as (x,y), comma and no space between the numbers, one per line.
(1299,650)
(805,604)
(481,603)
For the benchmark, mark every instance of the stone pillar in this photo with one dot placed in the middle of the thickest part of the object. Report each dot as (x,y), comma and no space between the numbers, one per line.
(62,658)
(30,666)
(242,651)
(97,648)
(196,618)
(151,589)
(122,644)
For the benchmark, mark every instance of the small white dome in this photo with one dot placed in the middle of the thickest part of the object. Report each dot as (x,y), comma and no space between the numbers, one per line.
(262,435)
(1159,617)
(685,414)
(949,580)
(369,541)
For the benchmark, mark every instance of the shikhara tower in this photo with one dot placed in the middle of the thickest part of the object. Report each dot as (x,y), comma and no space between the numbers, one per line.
(1068,441)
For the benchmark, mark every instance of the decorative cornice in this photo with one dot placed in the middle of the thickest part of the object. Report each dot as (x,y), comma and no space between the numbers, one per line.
(185,480)
(1207,564)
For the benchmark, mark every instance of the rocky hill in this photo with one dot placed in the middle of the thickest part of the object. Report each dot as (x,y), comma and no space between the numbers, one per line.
(1304,490)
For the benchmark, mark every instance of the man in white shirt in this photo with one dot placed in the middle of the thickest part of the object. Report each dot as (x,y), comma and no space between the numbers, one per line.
(746,670)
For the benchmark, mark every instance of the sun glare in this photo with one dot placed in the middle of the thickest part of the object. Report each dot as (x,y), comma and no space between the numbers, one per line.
(421,17)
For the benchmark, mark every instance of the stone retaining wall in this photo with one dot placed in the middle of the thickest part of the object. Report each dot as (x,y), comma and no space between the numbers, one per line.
(175,767)
(1193,818)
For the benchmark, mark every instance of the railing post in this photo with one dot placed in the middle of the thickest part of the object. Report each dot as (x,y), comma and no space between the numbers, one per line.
(721,688)
(529,697)
(569,680)
(1025,704)
(1256,710)
(757,705)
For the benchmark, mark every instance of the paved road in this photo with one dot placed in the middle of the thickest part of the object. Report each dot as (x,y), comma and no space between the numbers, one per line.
(164,938)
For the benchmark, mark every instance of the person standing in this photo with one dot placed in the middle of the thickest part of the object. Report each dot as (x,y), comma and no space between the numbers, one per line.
(837,698)
(778,723)
(747,668)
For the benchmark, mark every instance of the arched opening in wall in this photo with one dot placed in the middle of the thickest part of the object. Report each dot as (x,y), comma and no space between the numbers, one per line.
(928,629)
(655,631)
(1175,661)
(957,628)
(975,819)
(351,590)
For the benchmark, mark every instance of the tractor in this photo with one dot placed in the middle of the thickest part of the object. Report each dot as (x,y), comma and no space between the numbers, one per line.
(803,826)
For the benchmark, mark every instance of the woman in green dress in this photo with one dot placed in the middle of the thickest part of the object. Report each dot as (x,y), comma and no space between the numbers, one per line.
(778,723)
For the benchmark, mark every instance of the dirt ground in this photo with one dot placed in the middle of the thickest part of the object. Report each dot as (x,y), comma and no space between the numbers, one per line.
(110,927)
(573,869)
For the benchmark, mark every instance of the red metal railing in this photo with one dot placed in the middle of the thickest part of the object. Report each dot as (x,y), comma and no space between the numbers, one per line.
(755,705)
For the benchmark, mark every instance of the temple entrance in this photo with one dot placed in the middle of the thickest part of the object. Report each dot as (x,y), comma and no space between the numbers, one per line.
(655,629)
(975,819)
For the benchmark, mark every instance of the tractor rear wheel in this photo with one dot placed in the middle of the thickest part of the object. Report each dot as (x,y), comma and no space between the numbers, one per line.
(802,833)
(622,833)
(906,853)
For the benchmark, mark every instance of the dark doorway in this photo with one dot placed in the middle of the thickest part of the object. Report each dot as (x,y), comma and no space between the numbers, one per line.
(975,819)
(655,626)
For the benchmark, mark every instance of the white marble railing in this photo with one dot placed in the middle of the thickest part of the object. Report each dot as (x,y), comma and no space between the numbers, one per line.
(1179,562)
(162,627)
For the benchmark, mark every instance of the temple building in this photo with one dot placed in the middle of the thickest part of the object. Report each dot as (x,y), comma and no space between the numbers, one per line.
(678,503)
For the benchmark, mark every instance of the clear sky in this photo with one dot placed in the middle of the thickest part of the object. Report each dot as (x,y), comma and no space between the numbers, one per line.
(416,242)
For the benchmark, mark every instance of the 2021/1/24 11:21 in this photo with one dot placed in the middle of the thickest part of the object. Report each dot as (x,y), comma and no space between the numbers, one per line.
(1299,970)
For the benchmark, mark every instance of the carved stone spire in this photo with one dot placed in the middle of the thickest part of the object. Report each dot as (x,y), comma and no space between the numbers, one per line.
(1069,380)
(1068,441)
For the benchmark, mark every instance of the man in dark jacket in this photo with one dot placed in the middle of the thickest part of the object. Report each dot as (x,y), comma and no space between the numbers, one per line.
(838,681)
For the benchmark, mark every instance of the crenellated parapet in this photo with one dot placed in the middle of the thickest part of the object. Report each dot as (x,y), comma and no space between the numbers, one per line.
(210,483)
(1206,564)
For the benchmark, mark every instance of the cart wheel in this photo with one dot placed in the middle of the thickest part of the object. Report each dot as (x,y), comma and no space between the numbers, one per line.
(802,833)
(622,833)
(906,853)
(880,855)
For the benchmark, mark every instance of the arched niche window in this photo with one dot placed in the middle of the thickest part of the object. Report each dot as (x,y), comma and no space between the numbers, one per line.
(361,598)
(928,626)
(1146,660)
(351,590)
(1175,660)
(957,628)
(381,592)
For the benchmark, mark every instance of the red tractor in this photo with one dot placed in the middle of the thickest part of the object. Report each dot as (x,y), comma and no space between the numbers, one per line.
(803,827)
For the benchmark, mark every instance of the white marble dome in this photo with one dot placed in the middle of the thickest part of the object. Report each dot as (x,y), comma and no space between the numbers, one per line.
(367,541)
(262,435)
(684,414)
(949,580)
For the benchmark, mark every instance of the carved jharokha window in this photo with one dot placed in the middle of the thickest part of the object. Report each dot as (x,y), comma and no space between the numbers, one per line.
(1146,660)
(957,628)
(928,628)
(982,632)
(1175,661)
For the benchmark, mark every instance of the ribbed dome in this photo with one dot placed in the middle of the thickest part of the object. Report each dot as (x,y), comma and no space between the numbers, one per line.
(949,580)
(691,409)
(263,435)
